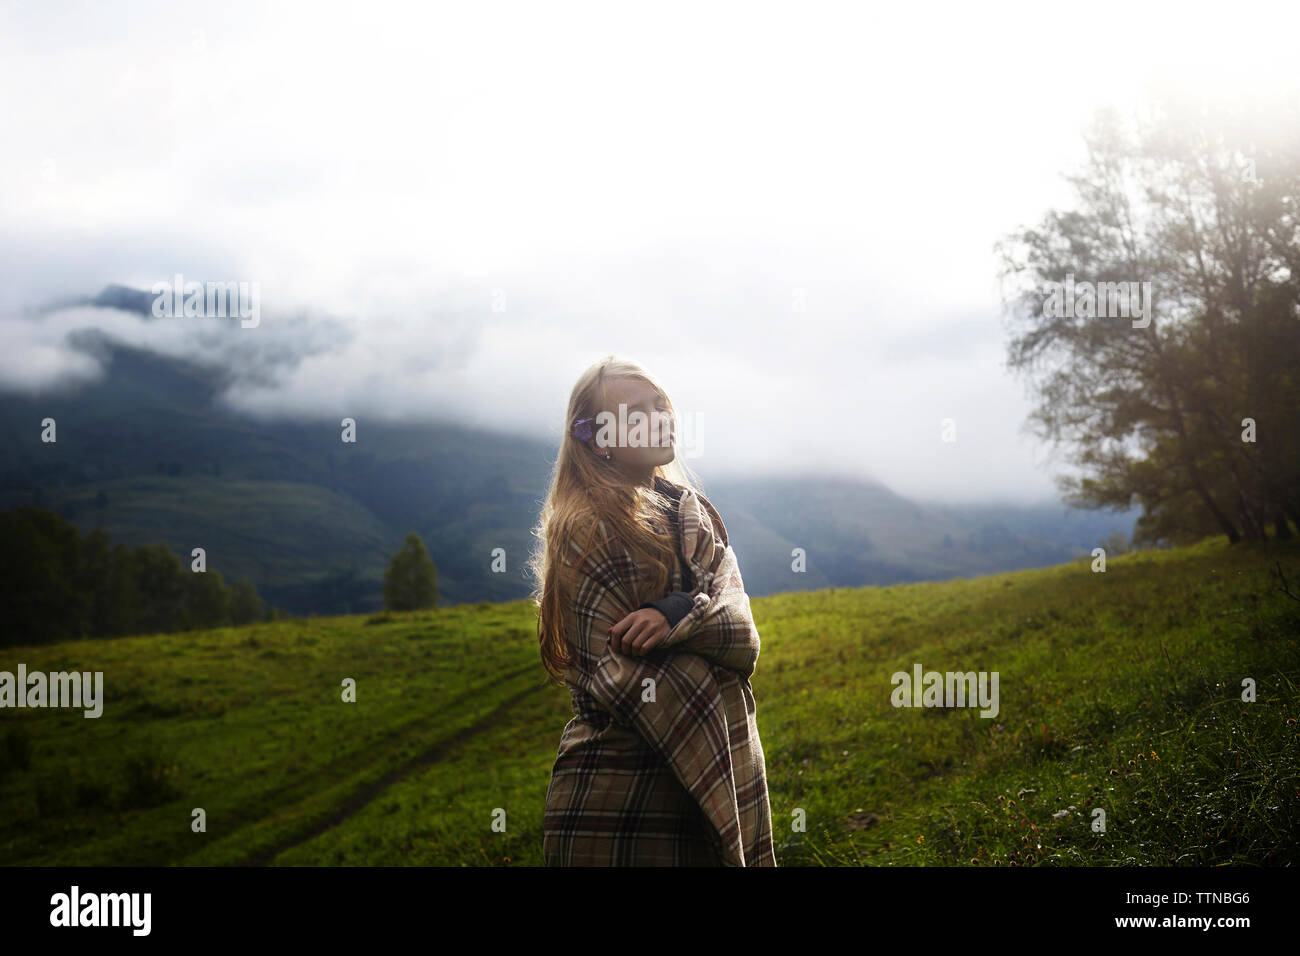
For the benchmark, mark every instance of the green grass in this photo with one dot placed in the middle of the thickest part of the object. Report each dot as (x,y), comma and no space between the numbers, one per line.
(1119,691)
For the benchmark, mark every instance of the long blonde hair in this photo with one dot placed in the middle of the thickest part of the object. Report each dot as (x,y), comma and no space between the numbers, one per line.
(585,489)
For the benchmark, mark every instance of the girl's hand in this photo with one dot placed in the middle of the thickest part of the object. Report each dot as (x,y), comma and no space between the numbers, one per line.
(639,633)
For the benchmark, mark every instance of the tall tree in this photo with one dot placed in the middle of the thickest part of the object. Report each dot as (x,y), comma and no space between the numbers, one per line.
(1202,202)
(412,579)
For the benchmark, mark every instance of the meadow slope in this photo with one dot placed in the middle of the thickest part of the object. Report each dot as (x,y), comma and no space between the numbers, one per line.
(1119,691)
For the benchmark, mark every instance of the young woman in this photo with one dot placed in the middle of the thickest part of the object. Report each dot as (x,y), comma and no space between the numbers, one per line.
(644,616)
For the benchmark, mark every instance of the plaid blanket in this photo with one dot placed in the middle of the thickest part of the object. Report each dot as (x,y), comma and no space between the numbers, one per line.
(662,763)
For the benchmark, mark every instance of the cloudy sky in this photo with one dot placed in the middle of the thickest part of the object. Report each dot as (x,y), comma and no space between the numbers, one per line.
(786,211)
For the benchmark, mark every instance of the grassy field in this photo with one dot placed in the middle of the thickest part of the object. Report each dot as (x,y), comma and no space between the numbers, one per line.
(1119,691)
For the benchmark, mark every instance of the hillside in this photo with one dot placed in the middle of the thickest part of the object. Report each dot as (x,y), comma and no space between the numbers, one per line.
(861,532)
(310,519)
(1118,691)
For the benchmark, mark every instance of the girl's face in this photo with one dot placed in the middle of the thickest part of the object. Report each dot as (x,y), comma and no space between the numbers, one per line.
(648,442)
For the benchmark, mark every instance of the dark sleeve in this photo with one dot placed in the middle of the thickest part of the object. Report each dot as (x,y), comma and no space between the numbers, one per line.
(674,606)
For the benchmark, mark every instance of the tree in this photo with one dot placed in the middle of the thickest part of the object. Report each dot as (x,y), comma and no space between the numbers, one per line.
(1204,205)
(55,586)
(208,599)
(411,580)
(125,608)
(95,582)
(163,591)
(39,565)
(245,603)
(1117,543)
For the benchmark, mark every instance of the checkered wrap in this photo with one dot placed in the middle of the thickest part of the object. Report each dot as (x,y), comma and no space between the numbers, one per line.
(679,779)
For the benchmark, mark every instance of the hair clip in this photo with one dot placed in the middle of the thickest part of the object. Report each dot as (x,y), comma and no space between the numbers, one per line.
(581,429)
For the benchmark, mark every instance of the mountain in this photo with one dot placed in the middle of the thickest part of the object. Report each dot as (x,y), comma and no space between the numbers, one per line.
(861,532)
(149,453)
(126,299)
(312,520)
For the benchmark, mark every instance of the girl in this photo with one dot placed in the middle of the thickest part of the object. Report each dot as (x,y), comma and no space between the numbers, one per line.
(643,615)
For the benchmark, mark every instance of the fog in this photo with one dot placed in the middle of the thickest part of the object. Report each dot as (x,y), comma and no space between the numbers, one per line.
(786,213)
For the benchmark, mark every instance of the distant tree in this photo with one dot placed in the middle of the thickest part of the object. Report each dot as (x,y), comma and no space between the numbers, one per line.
(1117,543)
(39,579)
(245,603)
(411,581)
(163,590)
(124,610)
(54,586)
(95,582)
(208,599)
